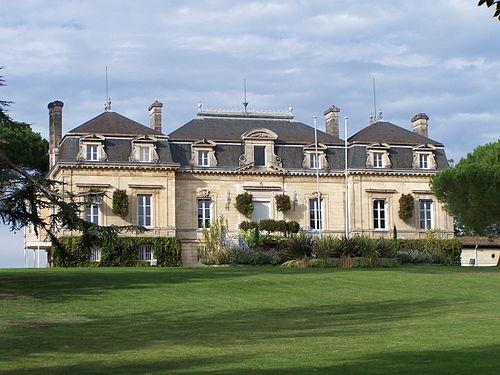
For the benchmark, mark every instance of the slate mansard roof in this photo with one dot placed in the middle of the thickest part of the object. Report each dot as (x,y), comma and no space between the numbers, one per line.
(231,129)
(226,132)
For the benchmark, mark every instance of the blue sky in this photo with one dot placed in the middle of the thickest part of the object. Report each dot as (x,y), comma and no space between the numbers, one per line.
(438,57)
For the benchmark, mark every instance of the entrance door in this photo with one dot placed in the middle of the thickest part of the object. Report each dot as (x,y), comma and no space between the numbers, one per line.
(261,210)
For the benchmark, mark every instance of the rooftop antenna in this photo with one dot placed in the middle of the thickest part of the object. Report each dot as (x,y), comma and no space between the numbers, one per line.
(245,103)
(107,105)
(374,101)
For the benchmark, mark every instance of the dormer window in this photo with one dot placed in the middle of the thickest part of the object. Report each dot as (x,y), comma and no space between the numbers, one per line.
(92,148)
(259,150)
(144,154)
(259,156)
(92,153)
(315,161)
(423,161)
(424,157)
(203,154)
(378,160)
(144,150)
(377,156)
(315,156)
(203,158)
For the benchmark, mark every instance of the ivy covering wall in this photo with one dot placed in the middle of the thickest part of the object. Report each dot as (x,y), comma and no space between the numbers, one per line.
(121,252)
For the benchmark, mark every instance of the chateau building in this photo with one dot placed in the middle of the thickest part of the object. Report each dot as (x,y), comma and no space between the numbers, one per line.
(177,183)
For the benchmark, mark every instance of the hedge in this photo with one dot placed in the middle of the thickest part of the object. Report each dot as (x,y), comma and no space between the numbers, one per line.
(440,248)
(120,252)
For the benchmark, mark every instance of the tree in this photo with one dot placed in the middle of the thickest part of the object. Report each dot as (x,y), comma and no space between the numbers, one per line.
(489,3)
(470,191)
(25,189)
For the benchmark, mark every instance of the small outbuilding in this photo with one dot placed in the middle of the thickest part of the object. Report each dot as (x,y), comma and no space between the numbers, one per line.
(480,251)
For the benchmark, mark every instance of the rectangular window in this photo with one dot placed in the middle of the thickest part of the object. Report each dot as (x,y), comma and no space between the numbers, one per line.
(378,160)
(144,216)
(204,213)
(203,158)
(92,210)
(145,253)
(315,214)
(95,254)
(425,214)
(259,156)
(379,217)
(423,161)
(315,161)
(92,152)
(144,154)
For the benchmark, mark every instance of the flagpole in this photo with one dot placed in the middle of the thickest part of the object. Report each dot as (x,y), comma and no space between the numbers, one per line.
(320,218)
(346,184)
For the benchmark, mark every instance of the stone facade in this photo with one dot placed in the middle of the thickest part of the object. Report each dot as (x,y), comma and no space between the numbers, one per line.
(214,158)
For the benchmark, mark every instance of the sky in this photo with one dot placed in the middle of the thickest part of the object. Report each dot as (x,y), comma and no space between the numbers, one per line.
(441,57)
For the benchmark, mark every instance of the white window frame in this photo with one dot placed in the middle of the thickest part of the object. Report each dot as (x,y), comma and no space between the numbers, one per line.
(95,254)
(425,216)
(142,208)
(316,217)
(145,253)
(93,211)
(378,160)
(315,161)
(144,154)
(203,158)
(379,209)
(92,152)
(203,212)
(423,161)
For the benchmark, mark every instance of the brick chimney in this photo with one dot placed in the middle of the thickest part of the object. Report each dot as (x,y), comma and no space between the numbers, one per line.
(55,129)
(332,120)
(155,115)
(420,125)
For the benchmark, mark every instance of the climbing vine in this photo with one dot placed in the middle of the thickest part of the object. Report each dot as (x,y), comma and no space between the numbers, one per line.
(406,204)
(282,202)
(120,203)
(244,204)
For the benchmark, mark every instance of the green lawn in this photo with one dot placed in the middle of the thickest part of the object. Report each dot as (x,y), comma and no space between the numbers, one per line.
(255,320)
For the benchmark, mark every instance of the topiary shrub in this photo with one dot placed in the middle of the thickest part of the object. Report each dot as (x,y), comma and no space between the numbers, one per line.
(281,226)
(282,202)
(120,203)
(247,225)
(268,225)
(406,205)
(293,226)
(244,204)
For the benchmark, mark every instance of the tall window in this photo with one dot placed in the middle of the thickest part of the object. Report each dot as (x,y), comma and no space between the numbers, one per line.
(92,152)
(315,161)
(144,216)
(203,158)
(379,216)
(259,156)
(425,214)
(92,210)
(144,154)
(315,214)
(145,253)
(378,161)
(95,254)
(204,212)
(423,161)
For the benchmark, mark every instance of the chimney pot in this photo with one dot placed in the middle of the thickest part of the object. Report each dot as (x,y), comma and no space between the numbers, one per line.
(332,121)
(155,115)
(420,124)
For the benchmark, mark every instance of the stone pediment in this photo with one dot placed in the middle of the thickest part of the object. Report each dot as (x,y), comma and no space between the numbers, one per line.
(260,134)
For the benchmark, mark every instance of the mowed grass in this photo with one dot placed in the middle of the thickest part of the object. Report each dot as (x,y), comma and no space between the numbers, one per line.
(250,320)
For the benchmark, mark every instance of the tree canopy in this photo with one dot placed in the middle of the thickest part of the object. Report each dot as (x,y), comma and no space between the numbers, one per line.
(470,190)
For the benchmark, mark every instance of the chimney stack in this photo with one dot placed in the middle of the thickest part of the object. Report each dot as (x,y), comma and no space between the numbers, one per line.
(55,129)
(155,115)
(332,121)
(420,125)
